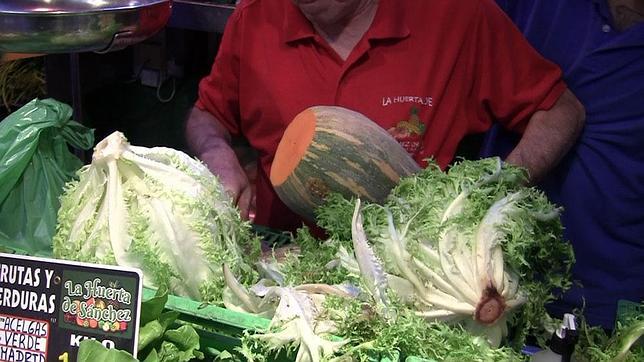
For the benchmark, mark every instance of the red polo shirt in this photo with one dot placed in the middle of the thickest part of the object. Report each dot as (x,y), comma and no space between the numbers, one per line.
(430,72)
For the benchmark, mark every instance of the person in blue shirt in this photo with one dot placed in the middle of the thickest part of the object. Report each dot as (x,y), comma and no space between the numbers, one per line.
(599,45)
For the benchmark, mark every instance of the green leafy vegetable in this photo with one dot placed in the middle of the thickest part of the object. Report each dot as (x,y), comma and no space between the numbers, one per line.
(156,341)
(442,270)
(408,333)
(91,350)
(159,210)
(624,345)
(308,265)
(181,345)
(152,308)
(472,245)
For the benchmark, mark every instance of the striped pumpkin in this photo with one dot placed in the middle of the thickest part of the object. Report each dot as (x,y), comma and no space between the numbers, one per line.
(333,149)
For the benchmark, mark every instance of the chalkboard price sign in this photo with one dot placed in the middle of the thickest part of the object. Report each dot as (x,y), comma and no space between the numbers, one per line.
(48,306)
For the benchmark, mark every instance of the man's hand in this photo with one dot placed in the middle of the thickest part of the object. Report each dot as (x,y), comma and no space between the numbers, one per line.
(549,136)
(210,141)
(223,162)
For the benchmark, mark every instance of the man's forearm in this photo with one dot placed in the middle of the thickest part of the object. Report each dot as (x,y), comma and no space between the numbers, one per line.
(210,142)
(549,136)
(204,132)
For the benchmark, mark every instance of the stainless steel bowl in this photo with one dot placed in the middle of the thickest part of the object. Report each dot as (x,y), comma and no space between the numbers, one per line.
(64,26)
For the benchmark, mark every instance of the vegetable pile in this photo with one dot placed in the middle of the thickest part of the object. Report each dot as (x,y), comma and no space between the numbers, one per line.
(471,254)
(454,265)
(159,210)
(469,245)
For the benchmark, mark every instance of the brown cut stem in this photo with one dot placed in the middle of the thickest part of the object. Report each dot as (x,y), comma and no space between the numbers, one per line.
(490,307)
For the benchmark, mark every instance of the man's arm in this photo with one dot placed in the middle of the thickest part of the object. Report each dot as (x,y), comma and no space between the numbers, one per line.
(549,136)
(210,141)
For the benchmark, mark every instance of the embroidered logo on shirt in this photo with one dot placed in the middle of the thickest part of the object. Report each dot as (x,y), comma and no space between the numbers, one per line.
(424,101)
(409,132)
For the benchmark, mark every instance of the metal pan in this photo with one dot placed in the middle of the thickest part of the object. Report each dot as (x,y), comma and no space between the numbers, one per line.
(65,26)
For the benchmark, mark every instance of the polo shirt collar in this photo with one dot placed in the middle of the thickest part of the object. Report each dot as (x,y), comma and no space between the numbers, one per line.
(296,26)
(387,24)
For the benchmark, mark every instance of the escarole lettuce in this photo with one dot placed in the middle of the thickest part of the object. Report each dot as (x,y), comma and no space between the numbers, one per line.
(356,320)
(471,246)
(156,209)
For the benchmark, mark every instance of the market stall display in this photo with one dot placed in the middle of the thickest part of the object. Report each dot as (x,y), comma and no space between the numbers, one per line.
(454,265)
(470,251)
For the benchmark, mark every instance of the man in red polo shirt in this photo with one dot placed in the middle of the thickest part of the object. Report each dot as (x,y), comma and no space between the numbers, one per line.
(429,71)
